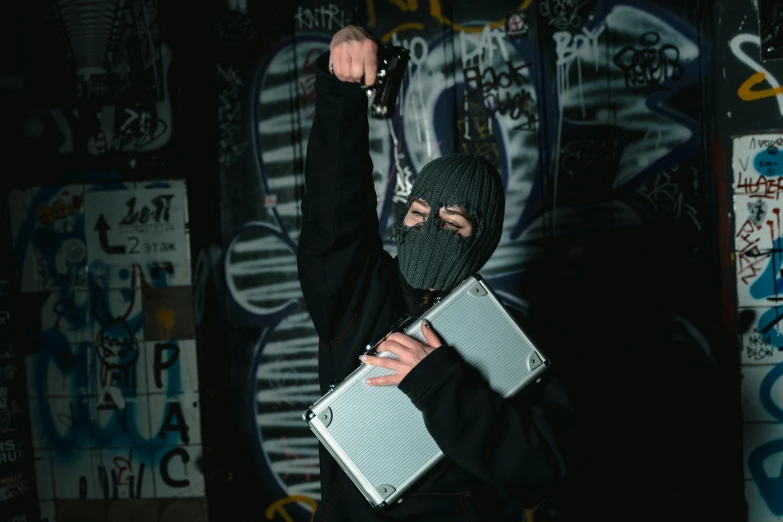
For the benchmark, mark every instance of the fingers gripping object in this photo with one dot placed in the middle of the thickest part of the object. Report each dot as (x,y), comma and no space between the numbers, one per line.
(392,63)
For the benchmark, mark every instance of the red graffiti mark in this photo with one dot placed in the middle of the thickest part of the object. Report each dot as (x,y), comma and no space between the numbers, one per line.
(760,187)
(310,59)
(122,464)
(307,83)
(754,265)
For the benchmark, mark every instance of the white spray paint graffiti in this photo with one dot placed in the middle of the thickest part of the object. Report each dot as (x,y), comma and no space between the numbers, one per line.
(736,44)
(328,17)
(491,52)
(584,101)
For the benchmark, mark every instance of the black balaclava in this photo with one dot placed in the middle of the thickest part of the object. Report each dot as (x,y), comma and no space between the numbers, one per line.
(433,257)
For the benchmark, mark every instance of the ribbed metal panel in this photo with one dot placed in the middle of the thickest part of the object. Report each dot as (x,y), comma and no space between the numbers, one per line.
(382,432)
(488,341)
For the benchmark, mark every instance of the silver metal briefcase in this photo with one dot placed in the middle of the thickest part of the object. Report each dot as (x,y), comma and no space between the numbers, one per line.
(349,417)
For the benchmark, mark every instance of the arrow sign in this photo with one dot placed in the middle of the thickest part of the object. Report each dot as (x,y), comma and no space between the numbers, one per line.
(102,226)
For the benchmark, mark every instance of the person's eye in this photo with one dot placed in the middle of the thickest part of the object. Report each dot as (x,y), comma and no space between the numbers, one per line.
(418,213)
(453,226)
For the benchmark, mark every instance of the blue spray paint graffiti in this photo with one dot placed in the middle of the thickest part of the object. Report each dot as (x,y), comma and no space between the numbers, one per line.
(767,162)
(103,398)
(770,487)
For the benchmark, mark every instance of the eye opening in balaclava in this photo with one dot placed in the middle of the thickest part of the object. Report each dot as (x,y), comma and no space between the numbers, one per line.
(430,256)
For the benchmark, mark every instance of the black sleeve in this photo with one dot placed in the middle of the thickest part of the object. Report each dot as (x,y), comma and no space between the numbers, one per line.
(339,236)
(511,443)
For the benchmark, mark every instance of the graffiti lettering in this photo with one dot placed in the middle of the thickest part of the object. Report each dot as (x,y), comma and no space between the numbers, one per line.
(159,211)
(648,66)
(759,186)
(479,137)
(666,196)
(758,349)
(479,50)
(750,264)
(235,27)
(491,80)
(160,365)
(766,143)
(112,480)
(563,14)
(10,451)
(140,128)
(569,47)
(327,17)
(175,421)
(229,75)
(230,144)
(519,105)
(404,178)
(164,467)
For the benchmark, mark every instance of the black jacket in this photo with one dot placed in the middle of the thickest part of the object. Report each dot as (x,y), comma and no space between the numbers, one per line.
(501,455)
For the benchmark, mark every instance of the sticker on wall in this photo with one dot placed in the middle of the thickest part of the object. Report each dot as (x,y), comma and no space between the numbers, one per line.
(757,165)
(48,233)
(516,25)
(771,29)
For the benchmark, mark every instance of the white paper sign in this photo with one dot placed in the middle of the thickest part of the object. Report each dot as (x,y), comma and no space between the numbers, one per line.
(140,225)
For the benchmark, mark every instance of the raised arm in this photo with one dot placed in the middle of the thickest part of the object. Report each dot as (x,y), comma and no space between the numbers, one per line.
(339,238)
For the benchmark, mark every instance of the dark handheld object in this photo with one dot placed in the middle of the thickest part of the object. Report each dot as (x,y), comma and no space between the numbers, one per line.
(392,63)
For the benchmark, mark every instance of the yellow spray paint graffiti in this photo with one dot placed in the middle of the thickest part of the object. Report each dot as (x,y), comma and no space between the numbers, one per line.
(747,93)
(436,12)
(277,509)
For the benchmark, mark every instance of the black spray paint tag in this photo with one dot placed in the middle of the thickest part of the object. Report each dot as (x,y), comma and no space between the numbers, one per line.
(771,29)
(516,25)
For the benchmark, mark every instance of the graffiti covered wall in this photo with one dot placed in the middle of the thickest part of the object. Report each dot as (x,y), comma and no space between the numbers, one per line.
(112,376)
(749,113)
(100,247)
(597,113)
(592,111)
(758,236)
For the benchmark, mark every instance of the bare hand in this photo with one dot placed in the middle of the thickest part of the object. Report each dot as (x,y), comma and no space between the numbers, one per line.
(353,55)
(409,350)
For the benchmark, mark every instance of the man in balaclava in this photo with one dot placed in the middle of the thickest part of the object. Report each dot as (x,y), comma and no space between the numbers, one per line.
(432,257)
(354,290)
